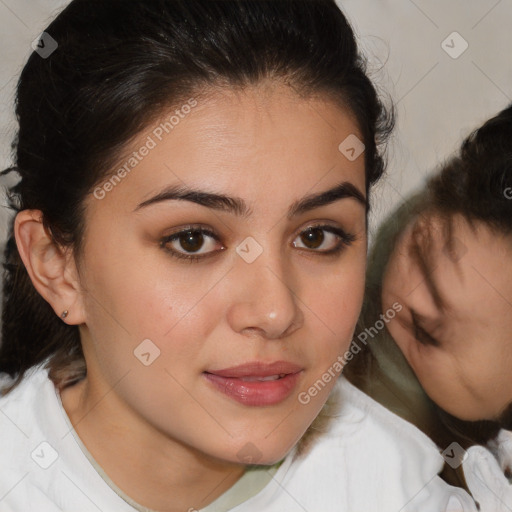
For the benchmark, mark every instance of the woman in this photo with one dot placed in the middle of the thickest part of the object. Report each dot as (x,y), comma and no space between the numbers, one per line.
(442,359)
(192,217)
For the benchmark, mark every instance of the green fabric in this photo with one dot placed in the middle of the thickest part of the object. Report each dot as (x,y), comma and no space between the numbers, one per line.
(251,483)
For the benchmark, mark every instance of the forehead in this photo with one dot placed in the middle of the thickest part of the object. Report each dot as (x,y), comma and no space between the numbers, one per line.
(468,266)
(262,144)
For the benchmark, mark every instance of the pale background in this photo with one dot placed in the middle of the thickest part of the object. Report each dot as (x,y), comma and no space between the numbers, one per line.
(439,99)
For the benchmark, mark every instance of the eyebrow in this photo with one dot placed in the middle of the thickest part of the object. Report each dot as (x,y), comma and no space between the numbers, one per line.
(239,207)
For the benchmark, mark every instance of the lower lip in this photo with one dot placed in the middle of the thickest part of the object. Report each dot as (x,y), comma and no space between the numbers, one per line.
(255,393)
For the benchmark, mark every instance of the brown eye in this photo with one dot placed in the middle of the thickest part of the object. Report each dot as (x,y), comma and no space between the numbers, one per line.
(313,238)
(191,241)
(323,239)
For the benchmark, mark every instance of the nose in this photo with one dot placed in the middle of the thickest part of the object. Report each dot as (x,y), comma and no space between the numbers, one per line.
(264,303)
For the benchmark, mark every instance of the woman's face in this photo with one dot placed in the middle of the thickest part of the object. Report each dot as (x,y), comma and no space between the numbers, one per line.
(223,274)
(455,328)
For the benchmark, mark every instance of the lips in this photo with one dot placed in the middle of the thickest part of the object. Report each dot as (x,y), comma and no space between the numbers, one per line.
(256,383)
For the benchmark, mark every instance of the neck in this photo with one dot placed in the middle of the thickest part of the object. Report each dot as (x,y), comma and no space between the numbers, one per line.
(156,471)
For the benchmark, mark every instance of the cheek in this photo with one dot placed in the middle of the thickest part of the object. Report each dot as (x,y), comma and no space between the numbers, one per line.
(442,385)
(443,379)
(132,300)
(336,299)
(428,363)
(463,384)
(343,303)
(140,288)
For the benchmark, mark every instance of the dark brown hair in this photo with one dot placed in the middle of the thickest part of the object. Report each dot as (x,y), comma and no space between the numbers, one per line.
(118,64)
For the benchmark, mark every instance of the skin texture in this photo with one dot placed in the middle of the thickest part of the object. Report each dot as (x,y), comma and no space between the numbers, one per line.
(462,350)
(162,432)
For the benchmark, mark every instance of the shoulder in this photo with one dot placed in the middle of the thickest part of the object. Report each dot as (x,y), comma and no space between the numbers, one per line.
(20,431)
(22,414)
(485,476)
(19,406)
(41,461)
(364,457)
(501,448)
(351,412)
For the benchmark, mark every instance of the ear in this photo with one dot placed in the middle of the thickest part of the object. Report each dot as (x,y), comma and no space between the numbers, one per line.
(51,267)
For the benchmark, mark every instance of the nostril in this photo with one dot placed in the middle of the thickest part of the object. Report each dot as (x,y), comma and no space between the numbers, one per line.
(254,332)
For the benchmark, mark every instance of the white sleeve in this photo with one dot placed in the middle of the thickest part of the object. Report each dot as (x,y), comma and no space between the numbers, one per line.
(486,481)
(501,447)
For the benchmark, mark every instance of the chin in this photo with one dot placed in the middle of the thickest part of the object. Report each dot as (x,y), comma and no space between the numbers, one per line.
(260,451)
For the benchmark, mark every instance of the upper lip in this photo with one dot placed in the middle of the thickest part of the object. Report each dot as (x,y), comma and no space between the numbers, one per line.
(258,369)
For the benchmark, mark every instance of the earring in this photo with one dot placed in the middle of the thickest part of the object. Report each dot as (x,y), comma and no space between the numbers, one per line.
(64,314)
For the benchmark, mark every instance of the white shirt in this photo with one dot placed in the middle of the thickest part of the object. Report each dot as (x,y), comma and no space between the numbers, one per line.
(367,460)
(485,474)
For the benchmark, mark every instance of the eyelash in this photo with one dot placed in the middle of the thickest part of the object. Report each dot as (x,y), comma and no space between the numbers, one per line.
(346,240)
(421,334)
